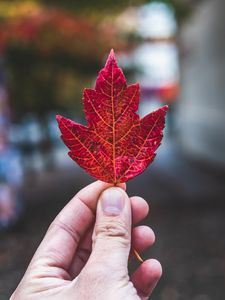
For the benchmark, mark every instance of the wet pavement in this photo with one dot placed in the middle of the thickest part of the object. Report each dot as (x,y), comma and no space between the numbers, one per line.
(187,201)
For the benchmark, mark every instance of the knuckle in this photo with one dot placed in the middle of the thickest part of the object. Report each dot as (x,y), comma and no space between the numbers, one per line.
(114,229)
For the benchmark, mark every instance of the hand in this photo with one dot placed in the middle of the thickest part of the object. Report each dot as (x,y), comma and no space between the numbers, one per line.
(84,254)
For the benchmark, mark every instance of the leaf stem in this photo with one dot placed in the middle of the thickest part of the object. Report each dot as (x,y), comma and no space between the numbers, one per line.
(137,255)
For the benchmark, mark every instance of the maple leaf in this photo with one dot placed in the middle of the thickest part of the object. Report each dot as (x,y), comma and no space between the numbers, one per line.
(116,145)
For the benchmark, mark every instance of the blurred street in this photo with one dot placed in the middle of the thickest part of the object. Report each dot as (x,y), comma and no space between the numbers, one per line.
(187,217)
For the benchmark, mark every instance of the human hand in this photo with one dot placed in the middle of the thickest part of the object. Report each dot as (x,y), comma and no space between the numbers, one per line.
(84,254)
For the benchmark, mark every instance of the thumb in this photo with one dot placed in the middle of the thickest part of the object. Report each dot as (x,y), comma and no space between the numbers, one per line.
(112,232)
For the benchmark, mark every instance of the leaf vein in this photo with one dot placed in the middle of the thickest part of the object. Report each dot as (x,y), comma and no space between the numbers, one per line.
(97,113)
(126,109)
(136,156)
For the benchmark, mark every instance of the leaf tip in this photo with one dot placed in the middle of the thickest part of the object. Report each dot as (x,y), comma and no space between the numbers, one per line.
(58,118)
(112,53)
(111,58)
(165,108)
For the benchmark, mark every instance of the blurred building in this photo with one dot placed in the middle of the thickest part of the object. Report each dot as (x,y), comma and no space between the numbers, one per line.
(201,111)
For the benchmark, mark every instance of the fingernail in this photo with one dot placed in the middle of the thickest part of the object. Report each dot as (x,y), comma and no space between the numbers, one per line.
(112,201)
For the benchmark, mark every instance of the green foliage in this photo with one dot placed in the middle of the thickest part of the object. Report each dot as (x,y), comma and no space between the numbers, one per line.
(49,59)
(96,8)
(40,84)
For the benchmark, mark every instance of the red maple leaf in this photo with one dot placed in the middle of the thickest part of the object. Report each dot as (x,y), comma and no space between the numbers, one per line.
(116,145)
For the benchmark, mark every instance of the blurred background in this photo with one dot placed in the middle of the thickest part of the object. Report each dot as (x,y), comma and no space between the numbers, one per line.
(49,51)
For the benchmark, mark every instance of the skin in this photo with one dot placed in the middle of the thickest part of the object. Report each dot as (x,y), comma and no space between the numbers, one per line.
(85,252)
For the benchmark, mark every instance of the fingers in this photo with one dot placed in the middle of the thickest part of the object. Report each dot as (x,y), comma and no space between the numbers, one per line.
(112,232)
(139,212)
(146,277)
(140,209)
(142,238)
(82,254)
(65,232)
